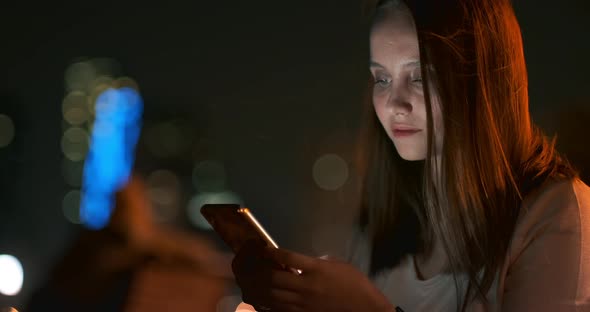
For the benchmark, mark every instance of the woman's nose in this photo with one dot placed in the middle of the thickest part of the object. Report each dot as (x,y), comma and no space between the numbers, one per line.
(399,102)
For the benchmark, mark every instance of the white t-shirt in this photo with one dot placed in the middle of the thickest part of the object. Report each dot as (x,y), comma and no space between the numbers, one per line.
(547,267)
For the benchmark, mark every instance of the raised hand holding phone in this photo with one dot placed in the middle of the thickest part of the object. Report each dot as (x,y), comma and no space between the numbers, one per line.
(325,284)
(237,226)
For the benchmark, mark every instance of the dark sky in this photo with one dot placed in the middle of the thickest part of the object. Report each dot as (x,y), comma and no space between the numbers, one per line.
(264,83)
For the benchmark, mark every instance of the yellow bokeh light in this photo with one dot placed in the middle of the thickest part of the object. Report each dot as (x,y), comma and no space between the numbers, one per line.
(163,188)
(244,307)
(72,172)
(71,206)
(75,108)
(97,89)
(100,84)
(6,130)
(229,304)
(78,76)
(74,143)
(330,172)
(127,82)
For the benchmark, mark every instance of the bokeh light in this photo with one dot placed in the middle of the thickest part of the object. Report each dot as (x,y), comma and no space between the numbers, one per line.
(198,201)
(108,166)
(71,206)
(11,275)
(165,140)
(228,304)
(84,75)
(244,307)
(74,143)
(72,172)
(209,176)
(75,108)
(99,85)
(6,130)
(104,66)
(163,188)
(9,309)
(79,76)
(330,172)
(126,82)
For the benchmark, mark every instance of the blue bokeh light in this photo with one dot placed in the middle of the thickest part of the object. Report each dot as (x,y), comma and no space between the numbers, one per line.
(111,154)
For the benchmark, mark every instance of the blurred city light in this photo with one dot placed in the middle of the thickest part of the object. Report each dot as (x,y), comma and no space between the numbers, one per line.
(228,304)
(11,275)
(74,143)
(244,307)
(72,172)
(164,192)
(165,140)
(330,172)
(198,201)
(95,92)
(99,85)
(84,75)
(110,158)
(79,75)
(75,108)
(71,206)
(104,66)
(6,130)
(209,176)
(126,82)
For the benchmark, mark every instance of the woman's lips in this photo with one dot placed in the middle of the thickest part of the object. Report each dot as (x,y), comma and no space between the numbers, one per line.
(399,133)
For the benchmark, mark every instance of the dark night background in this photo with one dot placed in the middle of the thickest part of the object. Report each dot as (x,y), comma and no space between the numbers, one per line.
(266,87)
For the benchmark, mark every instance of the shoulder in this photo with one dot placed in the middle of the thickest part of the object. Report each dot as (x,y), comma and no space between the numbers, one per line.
(554,225)
(548,263)
(560,204)
(554,212)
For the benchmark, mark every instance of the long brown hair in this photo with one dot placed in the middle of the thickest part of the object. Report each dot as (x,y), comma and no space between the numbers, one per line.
(493,155)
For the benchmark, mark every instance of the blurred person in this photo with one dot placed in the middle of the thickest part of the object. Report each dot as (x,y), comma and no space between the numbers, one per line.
(135,264)
(465,204)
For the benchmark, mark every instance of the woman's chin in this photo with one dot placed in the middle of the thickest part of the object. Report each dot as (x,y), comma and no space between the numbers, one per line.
(411,155)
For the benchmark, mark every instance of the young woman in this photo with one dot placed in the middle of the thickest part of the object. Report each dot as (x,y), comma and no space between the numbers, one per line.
(466,206)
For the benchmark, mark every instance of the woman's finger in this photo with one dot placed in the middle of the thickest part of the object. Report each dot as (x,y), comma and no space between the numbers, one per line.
(291,259)
(285,297)
(287,281)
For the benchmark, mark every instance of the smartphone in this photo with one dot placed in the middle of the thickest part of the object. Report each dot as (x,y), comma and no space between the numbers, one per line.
(236,225)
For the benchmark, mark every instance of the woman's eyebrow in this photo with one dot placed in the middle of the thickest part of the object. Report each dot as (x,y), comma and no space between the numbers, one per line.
(375,64)
(412,63)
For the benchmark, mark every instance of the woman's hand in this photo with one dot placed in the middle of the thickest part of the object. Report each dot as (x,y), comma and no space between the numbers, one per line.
(324,285)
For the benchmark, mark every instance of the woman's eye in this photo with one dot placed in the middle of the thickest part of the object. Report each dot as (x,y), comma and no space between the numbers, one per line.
(416,77)
(382,81)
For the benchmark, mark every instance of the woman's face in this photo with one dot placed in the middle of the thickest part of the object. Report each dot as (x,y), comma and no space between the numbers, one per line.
(398,96)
